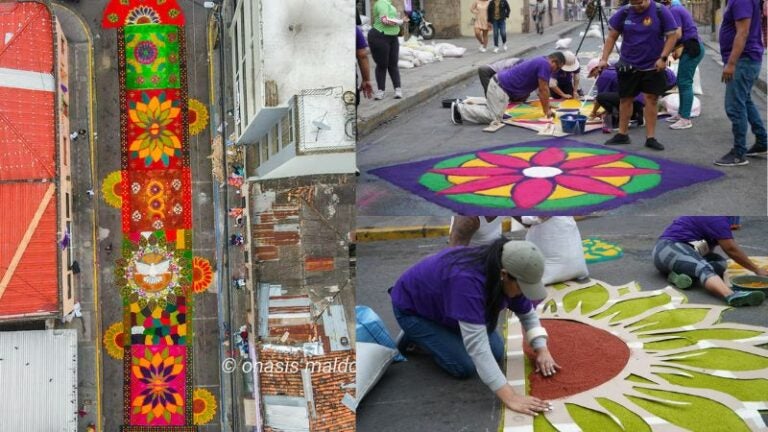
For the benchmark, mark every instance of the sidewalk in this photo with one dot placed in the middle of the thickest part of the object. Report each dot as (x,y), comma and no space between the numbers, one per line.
(423,82)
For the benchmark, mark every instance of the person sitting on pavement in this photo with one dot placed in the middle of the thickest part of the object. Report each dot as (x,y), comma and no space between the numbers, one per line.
(449,305)
(486,72)
(684,253)
(649,33)
(564,84)
(514,84)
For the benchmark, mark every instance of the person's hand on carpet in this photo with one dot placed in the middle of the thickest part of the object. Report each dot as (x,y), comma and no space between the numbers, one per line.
(545,364)
(523,404)
(761,272)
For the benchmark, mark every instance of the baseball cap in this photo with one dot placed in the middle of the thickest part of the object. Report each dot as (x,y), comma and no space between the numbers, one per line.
(592,64)
(571,62)
(523,261)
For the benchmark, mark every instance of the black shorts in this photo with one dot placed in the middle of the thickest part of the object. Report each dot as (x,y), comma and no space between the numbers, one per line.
(633,83)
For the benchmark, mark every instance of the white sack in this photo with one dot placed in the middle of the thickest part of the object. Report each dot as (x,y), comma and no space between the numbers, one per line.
(671,104)
(559,240)
(372,361)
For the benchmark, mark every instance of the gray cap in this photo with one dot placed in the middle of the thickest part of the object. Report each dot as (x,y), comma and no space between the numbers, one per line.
(523,261)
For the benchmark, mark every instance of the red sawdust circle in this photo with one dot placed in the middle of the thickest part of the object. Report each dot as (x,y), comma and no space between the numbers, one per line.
(198,405)
(119,340)
(192,116)
(589,357)
(197,274)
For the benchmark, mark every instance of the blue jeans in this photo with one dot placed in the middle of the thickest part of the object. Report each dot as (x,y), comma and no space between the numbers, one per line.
(739,106)
(444,344)
(685,71)
(499,27)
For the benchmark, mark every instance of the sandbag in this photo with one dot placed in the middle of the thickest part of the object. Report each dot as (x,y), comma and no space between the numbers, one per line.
(696,77)
(559,240)
(671,104)
(370,328)
(371,362)
(405,64)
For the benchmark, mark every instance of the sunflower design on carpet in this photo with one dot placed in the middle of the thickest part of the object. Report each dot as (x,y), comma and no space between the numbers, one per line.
(203,406)
(114,340)
(640,361)
(111,189)
(202,274)
(597,250)
(198,117)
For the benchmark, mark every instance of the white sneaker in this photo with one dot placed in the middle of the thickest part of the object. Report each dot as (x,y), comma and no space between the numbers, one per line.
(482,48)
(681,124)
(378,94)
(496,49)
(398,93)
(505,47)
(672,119)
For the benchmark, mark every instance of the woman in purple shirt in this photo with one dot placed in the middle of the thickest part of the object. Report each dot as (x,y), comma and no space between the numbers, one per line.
(449,305)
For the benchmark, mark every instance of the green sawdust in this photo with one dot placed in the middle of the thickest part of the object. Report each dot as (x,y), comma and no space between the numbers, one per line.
(591,420)
(591,298)
(542,424)
(628,419)
(639,379)
(559,286)
(696,413)
(745,390)
(683,339)
(722,359)
(550,306)
(633,307)
(674,318)
(624,291)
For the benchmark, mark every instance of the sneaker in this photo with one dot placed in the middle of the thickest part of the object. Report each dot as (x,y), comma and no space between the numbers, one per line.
(732,159)
(681,281)
(495,50)
(455,115)
(398,93)
(618,139)
(378,94)
(681,124)
(651,143)
(745,298)
(672,119)
(482,49)
(757,150)
(505,47)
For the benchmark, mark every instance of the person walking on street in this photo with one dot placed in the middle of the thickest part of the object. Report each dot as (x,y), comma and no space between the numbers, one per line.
(498,12)
(741,48)
(538,15)
(693,52)
(480,9)
(385,47)
(649,33)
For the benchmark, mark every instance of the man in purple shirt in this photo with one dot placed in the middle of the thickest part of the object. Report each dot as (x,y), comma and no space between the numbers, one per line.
(513,84)
(361,51)
(741,48)
(684,252)
(649,33)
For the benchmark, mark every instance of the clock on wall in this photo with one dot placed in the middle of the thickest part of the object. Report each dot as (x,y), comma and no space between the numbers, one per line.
(323,116)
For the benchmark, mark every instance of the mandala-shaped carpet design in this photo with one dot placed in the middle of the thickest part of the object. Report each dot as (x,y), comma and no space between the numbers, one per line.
(152,272)
(152,57)
(202,274)
(157,199)
(114,340)
(640,361)
(111,189)
(530,116)
(198,117)
(203,406)
(554,176)
(142,15)
(154,129)
(126,12)
(597,250)
(157,393)
(156,325)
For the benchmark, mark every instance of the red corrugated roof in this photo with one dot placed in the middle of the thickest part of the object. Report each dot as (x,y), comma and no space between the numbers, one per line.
(27,153)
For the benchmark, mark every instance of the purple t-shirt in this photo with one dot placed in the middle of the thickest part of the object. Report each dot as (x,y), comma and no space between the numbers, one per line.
(565,80)
(737,10)
(685,22)
(692,228)
(642,34)
(439,290)
(360,42)
(520,80)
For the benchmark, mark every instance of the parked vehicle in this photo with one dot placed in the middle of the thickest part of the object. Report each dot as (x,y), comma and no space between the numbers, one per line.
(419,26)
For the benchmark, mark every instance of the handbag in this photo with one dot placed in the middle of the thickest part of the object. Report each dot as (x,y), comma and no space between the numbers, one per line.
(692,47)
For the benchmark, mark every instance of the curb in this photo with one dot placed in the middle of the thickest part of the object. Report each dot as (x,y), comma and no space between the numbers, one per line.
(400,233)
(364,127)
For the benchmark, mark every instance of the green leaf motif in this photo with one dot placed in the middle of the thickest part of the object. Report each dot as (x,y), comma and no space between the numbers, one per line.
(633,307)
(675,318)
(686,338)
(628,419)
(591,420)
(591,299)
(721,359)
(745,390)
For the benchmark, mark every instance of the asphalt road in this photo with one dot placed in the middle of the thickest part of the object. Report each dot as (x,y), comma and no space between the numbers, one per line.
(416,395)
(426,131)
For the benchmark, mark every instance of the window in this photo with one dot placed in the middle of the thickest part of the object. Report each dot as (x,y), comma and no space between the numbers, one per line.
(264,145)
(286,132)
(66,204)
(274,140)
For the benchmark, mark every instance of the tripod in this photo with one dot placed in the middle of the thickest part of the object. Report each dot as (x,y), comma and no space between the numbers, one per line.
(597,12)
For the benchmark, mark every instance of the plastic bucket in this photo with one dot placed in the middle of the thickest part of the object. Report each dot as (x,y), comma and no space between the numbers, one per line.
(573,123)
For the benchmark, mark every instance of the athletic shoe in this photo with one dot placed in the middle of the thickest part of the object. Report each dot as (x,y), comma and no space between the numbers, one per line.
(482,48)
(757,150)
(495,50)
(398,93)
(732,159)
(681,124)
(455,115)
(505,47)
(378,94)
(618,139)
(745,298)
(672,119)
(651,143)
(682,281)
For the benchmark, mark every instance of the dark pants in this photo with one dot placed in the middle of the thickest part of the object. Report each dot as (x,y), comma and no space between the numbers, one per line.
(499,29)
(445,344)
(385,51)
(682,258)
(485,73)
(610,101)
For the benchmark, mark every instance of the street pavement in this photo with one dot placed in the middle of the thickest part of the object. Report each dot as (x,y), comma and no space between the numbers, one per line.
(416,395)
(420,128)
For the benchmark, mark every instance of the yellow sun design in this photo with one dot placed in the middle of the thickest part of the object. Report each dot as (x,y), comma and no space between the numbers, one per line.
(684,370)
(114,340)
(110,189)
(203,406)
(198,117)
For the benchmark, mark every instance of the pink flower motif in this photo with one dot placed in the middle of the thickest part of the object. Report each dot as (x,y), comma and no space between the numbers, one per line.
(534,181)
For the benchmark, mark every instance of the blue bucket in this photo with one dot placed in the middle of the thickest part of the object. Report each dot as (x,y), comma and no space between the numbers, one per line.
(573,124)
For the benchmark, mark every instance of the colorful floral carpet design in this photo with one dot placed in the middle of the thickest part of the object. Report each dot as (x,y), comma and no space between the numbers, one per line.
(597,250)
(198,117)
(204,406)
(553,176)
(153,273)
(202,274)
(672,365)
(529,115)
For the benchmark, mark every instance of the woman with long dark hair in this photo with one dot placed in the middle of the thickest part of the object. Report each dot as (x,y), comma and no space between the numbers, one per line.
(449,305)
